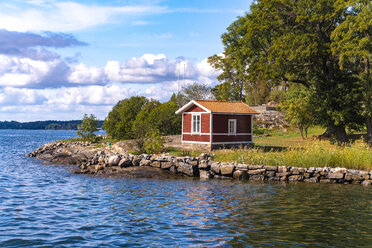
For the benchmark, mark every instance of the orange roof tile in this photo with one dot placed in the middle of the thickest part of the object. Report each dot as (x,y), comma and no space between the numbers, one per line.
(236,107)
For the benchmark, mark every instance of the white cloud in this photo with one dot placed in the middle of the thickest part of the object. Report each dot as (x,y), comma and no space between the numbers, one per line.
(56,73)
(25,72)
(67,15)
(83,74)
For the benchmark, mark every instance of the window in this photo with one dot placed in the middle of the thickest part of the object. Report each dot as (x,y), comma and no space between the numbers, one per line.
(196,123)
(232,126)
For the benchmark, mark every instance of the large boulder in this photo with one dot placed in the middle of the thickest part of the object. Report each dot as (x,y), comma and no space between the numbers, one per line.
(114,160)
(125,163)
(227,169)
(216,168)
(188,169)
(204,174)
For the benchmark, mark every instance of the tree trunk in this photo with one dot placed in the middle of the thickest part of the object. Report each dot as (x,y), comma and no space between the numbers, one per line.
(369,129)
(329,132)
(340,135)
(302,132)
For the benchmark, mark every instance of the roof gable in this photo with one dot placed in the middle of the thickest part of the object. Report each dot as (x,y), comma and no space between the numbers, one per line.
(214,106)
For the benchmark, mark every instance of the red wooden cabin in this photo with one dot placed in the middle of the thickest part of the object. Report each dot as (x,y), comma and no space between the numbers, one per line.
(217,123)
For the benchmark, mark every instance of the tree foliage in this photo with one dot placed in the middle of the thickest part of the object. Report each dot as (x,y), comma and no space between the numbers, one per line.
(352,43)
(134,117)
(291,42)
(88,126)
(196,91)
(298,109)
(118,124)
(154,142)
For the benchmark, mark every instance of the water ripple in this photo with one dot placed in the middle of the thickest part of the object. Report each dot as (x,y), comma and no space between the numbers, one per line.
(47,206)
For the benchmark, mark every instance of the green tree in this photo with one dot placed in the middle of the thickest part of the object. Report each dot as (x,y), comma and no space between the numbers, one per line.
(142,123)
(119,122)
(154,142)
(196,91)
(88,126)
(298,109)
(232,78)
(163,117)
(179,99)
(290,41)
(352,43)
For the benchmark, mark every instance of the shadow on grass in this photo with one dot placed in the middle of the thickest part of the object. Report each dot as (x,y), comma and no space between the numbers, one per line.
(271,148)
(276,148)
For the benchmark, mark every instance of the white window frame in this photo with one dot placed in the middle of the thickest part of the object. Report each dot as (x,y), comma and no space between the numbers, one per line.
(229,126)
(198,127)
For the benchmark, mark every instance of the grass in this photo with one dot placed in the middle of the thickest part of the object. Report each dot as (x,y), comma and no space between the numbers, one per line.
(314,154)
(289,149)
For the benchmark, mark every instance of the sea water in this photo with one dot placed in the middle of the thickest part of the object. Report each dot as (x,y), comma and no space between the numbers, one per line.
(44,205)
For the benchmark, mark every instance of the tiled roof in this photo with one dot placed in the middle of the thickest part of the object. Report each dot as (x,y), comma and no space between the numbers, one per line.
(236,107)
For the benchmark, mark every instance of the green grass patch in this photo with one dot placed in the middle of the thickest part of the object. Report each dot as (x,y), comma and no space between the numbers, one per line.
(314,154)
(182,152)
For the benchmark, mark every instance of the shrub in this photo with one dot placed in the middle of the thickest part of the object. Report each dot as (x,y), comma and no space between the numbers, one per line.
(88,126)
(154,142)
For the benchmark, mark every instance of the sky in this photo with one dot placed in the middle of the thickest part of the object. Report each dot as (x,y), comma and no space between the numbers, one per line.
(62,59)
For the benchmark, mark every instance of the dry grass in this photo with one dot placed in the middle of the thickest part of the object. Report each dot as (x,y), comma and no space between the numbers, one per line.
(312,154)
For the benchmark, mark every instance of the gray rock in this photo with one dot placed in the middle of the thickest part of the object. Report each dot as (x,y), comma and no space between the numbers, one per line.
(254,166)
(240,175)
(145,162)
(98,167)
(282,168)
(282,174)
(125,163)
(155,164)
(257,177)
(270,168)
(270,173)
(255,172)
(338,170)
(94,160)
(216,168)
(173,169)
(203,174)
(136,161)
(295,178)
(242,167)
(204,165)
(101,159)
(188,169)
(166,165)
(114,160)
(311,180)
(323,180)
(227,169)
(335,175)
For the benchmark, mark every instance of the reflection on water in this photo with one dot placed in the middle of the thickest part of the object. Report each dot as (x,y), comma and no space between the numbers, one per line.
(47,206)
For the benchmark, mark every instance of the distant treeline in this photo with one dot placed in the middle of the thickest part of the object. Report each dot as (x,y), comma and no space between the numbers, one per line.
(48,125)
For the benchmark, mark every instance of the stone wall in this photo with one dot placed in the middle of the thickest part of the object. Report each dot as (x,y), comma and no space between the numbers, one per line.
(103,161)
(204,168)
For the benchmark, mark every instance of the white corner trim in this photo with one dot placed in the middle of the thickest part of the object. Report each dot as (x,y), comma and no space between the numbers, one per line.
(211,127)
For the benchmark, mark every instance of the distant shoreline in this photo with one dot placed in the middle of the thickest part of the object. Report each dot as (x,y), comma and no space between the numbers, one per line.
(43,125)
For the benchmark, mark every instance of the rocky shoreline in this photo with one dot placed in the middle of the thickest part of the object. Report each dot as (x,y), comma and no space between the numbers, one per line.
(115,161)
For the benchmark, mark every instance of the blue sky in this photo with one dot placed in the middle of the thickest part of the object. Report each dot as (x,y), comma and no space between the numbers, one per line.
(61,59)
